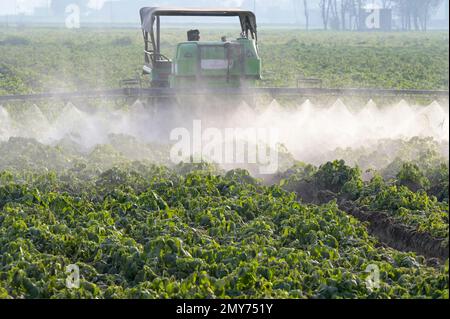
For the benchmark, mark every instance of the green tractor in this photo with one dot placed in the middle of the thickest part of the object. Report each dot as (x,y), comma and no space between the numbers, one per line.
(201,64)
(215,73)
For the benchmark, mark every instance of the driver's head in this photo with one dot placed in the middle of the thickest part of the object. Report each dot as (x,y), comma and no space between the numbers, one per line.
(193,35)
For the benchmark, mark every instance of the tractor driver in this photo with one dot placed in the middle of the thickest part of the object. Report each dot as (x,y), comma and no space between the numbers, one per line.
(193,35)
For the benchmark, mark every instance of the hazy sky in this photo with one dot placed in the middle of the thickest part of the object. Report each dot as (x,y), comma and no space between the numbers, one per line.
(27,6)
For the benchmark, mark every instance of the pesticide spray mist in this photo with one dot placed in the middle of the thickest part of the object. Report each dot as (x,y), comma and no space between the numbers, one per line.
(307,131)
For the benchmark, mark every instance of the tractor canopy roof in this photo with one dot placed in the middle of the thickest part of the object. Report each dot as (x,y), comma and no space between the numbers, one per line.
(247,18)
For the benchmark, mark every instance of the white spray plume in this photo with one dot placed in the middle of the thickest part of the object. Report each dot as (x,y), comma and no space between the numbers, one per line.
(308,131)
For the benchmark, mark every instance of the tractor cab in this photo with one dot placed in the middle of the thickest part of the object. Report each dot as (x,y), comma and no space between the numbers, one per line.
(202,64)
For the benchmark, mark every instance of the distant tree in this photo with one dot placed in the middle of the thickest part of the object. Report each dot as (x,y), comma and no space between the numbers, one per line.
(306,11)
(297,9)
(334,20)
(325,6)
(429,7)
(355,8)
(341,14)
(415,12)
(349,13)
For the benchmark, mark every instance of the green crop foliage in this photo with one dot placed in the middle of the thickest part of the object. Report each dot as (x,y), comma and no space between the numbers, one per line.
(140,227)
(140,230)
(37,60)
(410,197)
(150,232)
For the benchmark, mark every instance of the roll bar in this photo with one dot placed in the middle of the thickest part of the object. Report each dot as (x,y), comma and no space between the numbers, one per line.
(151,16)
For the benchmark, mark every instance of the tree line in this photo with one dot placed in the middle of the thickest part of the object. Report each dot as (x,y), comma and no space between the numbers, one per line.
(345,14)
(335,14)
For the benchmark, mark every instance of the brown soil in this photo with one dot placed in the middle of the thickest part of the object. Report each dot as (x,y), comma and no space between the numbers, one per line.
(380,225)
(399,236)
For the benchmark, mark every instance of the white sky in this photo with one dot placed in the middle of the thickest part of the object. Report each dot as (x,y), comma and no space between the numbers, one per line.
(27,6)
(96,4)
